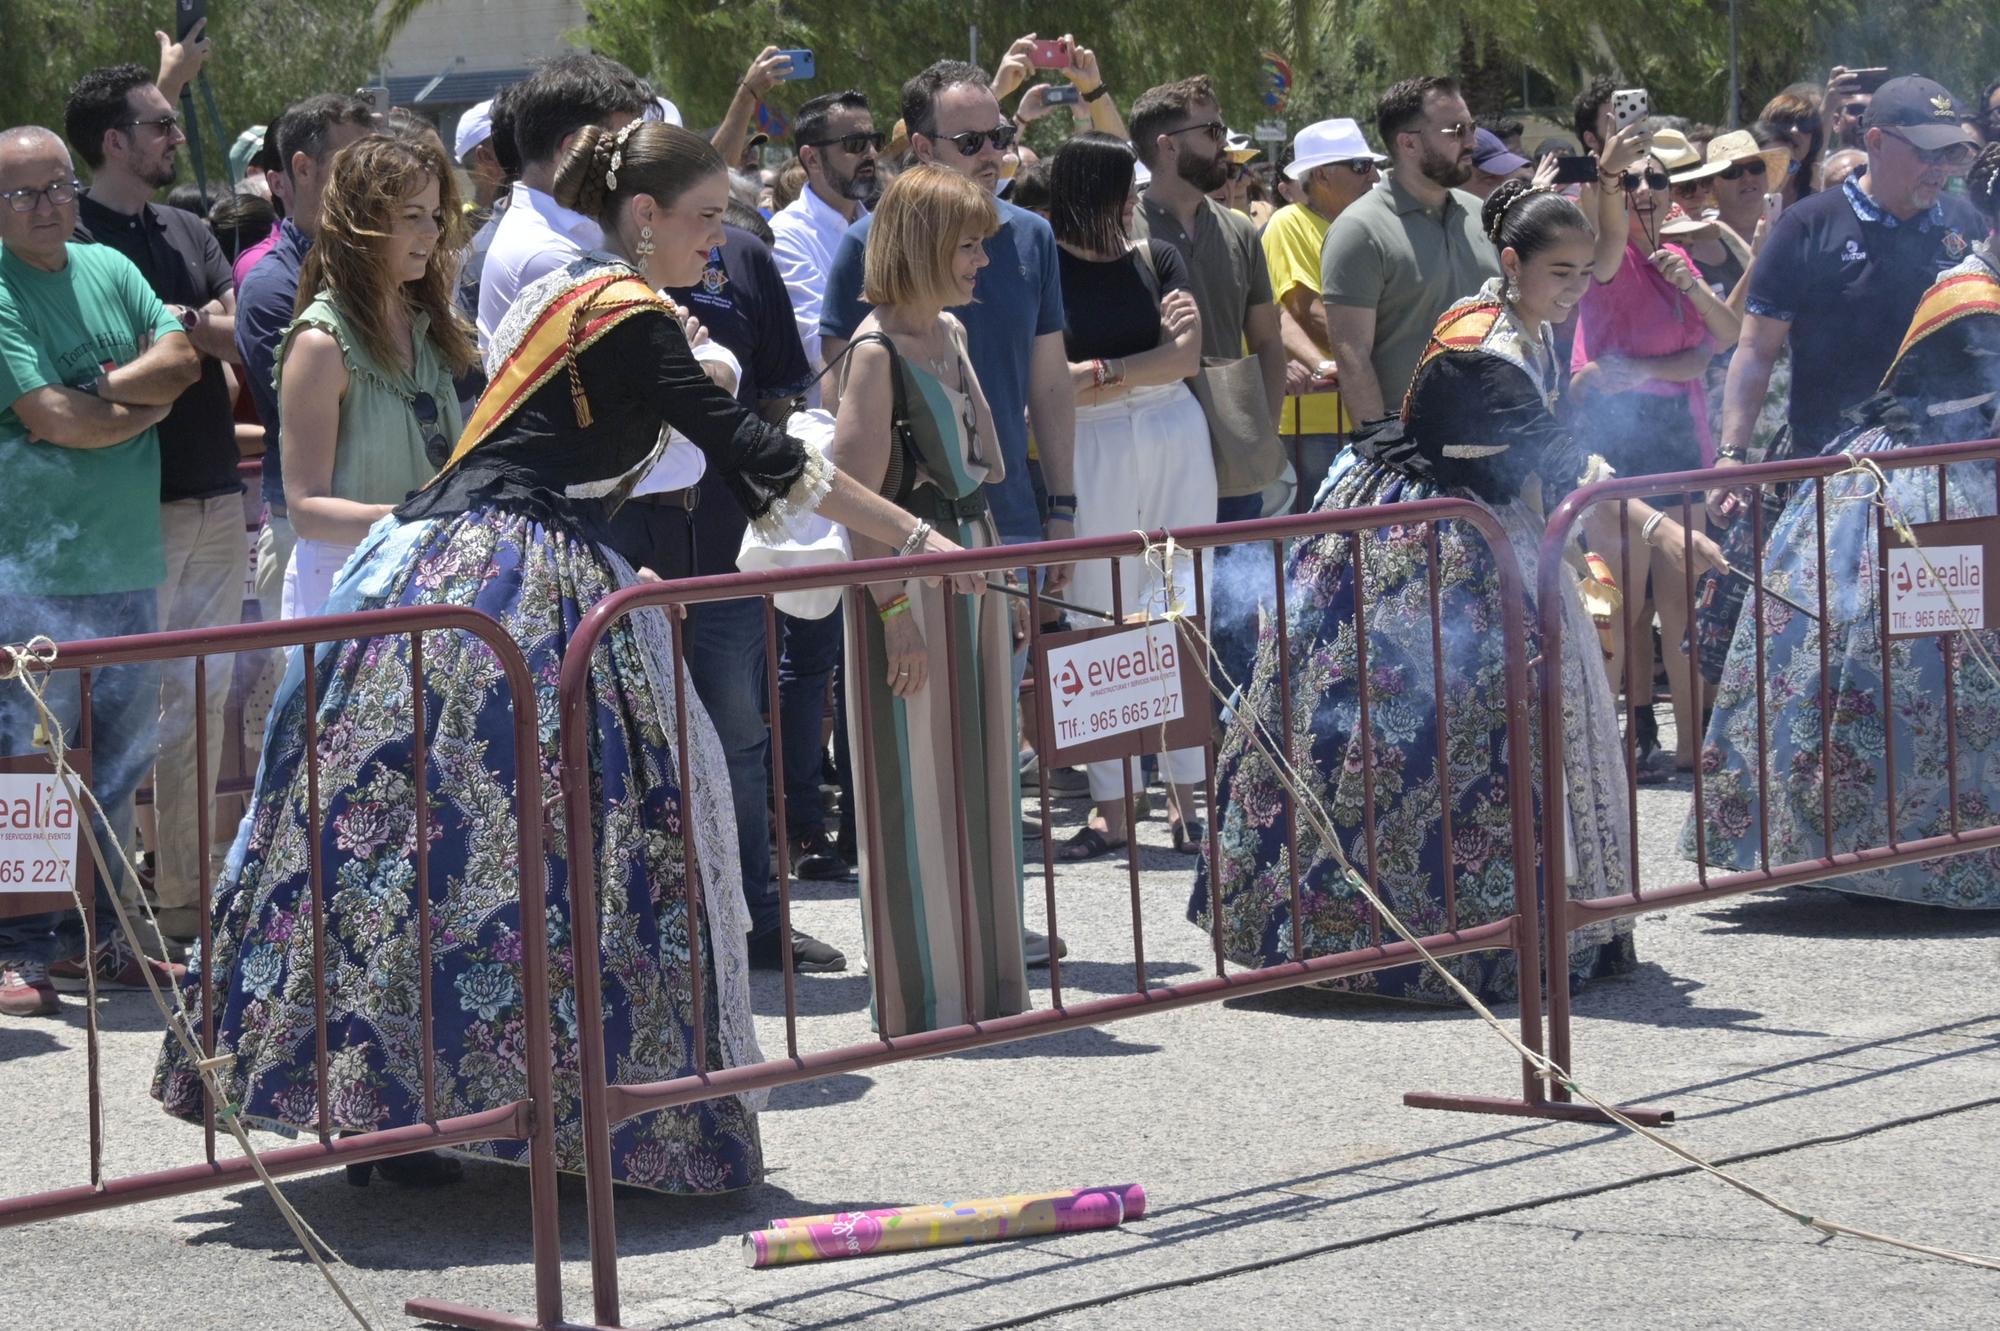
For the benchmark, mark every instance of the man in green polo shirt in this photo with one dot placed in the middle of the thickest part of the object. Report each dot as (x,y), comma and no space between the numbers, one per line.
(1407,250)
(90,362)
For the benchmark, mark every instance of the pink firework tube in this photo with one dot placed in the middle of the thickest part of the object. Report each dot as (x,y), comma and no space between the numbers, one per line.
(863,1233)
(1133,1195)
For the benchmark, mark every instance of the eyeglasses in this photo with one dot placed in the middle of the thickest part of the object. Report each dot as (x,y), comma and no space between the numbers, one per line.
(1952,155)
(166,124)
(1655,180)
(436,447)
(1738,170)
(60,195)
(1215,129)
(1360,166)
(1806,127)
(1000,136)
(857,143)
(1854,110)
(1457,130)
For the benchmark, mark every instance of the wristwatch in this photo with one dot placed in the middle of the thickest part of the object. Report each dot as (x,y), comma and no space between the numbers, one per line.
(1101,90)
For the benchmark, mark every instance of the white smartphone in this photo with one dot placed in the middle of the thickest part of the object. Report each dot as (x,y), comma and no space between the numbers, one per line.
(1629,106)
(1774,204)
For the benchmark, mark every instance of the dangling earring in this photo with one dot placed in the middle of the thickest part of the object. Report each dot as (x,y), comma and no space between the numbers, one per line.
(644,249)
(1509,292)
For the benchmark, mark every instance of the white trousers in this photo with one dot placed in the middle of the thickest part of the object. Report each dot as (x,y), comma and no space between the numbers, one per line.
(1142,461)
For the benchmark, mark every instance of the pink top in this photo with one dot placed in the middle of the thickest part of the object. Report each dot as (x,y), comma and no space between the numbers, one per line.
(248,259)
(1638,315)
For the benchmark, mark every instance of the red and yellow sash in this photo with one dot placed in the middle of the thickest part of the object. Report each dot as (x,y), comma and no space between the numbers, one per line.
(1945,304)
(571,323)
(1464,328)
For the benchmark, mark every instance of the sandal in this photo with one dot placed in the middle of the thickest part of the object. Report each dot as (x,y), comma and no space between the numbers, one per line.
(1087,844)
(1188,834)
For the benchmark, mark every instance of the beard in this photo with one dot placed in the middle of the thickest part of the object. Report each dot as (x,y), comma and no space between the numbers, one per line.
(1450,172)
(1206,176)
(160,174)
(857,187)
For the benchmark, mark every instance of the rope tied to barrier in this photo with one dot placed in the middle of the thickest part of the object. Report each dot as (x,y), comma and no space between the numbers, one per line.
(1877,497)
(26,663)
(1543,1066)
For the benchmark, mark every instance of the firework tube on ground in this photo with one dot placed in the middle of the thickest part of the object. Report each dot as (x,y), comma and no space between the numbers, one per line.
(1133,1195)
(862,1234)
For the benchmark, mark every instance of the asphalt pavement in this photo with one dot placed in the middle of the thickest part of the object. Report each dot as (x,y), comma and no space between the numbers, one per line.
(1846,1056)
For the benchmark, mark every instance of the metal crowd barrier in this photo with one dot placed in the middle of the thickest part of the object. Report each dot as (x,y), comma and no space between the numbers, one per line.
(605,1104)
(1564,914)
(528,1119)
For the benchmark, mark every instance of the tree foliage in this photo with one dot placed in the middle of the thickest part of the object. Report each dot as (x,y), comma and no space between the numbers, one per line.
(267,54)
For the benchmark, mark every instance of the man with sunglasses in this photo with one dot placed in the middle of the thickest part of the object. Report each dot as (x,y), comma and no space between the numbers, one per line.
(1332,166)
(835,137)
(125,130)
(1842,272)
(1407,250)
(1014,327)
(90,362)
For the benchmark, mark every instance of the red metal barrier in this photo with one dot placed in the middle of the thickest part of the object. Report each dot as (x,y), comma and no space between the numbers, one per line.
(1565,915)
(605,1105)
(528,1119)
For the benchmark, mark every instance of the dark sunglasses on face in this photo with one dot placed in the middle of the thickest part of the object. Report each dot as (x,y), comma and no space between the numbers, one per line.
(1854,110)
(855,144)
(1953,155)
(1738,170)
(1806,127)
(1362,166)
(166,124)
(1655,180)
(1000,136)
(1215,129)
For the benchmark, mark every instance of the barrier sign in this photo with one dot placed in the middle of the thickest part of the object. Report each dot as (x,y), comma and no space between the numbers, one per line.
(1120,691)
(41,839)
(1944,582)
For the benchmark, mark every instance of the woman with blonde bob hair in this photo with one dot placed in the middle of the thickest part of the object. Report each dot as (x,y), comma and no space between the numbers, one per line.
(914,425)
(365,371)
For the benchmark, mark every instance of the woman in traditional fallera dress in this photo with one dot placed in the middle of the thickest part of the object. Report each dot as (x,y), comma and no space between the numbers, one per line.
(1479,423)
(1944,386)
(588,367)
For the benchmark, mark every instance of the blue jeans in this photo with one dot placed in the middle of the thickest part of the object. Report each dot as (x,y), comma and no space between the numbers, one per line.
(726,660)
(1239,586)
(124,723)
(812,649)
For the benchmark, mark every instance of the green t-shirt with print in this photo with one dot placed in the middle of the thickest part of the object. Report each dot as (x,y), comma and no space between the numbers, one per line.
(76,521)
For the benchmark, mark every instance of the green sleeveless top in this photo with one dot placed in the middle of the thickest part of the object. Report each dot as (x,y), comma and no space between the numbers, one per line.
(388,414)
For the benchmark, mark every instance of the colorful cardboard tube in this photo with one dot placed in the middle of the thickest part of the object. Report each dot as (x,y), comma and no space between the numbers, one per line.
(862,1234)
(1133,1195)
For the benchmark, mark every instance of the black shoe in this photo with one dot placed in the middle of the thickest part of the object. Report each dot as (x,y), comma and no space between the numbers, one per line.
(814,858)
(809,955)
(427,1169)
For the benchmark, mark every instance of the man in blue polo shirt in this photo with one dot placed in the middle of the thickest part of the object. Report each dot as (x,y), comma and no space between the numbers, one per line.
(1842,272)
(1014,325)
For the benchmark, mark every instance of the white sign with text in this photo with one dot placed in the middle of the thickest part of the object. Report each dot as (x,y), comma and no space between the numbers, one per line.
(38,834)
(1115,684)
(1936,589)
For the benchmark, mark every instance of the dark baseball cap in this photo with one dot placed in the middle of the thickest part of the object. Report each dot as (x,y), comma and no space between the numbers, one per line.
(1920,110)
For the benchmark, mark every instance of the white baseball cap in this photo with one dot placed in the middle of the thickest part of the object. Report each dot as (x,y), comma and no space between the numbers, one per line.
(663,110)
(475,126)
(1326,141)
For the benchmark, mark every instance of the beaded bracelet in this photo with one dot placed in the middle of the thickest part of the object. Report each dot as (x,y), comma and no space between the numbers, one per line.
(899,604)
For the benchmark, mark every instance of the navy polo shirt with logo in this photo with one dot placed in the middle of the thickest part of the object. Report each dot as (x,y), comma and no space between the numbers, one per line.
(1848,277)
(742,302)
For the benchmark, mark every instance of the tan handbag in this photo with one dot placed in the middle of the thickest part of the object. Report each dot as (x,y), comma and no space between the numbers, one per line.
(1241,433)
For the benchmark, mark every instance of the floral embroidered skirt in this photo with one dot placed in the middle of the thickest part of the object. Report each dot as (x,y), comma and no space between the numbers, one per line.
(1862,738)
(538,581)
(1412,779)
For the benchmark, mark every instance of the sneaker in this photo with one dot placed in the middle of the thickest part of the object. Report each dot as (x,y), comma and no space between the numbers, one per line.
(814,857)
(1066,781)
(118,967)
(25,990)
(1035,947)
(809,955)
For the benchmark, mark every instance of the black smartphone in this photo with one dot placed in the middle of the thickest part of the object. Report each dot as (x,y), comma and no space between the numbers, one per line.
(187,13)
(1578,170)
